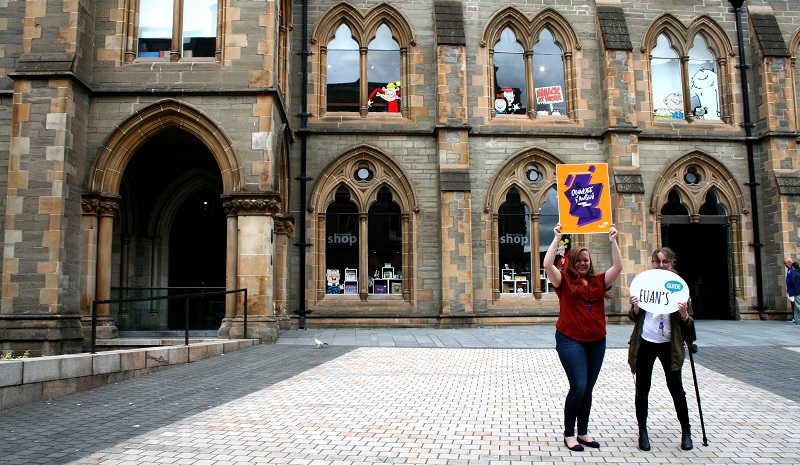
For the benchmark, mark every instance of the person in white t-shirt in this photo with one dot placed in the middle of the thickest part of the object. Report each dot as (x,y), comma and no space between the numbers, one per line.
(660,337)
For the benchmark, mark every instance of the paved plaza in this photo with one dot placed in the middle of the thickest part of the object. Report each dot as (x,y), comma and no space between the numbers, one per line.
(482,396)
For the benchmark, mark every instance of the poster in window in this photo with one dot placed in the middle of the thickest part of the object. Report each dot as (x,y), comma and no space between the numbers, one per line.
(351,288)
(381,289)
(350,274)
(397,288)
(547,97)
(584,201)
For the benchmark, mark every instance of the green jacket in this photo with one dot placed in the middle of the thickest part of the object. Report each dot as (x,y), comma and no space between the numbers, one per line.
(678,346)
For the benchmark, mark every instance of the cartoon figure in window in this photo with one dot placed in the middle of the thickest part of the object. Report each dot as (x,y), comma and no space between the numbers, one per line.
(390,93)
(673,108)
(562,252)
(700,112)
(500,104)
(332,277)
(704,86)
(510,96)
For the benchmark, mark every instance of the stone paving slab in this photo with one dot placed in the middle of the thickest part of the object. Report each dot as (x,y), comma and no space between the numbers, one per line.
(295,405)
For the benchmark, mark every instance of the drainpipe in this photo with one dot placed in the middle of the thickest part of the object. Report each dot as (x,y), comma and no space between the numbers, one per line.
(753,184)
(302,245)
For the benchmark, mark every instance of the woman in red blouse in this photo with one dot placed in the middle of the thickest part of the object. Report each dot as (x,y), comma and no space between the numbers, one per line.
(581,330)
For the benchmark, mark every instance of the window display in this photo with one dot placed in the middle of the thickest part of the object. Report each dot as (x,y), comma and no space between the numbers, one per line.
(515,242)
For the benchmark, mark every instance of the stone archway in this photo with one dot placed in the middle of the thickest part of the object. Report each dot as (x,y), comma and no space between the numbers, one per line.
(103,198)
(696,197)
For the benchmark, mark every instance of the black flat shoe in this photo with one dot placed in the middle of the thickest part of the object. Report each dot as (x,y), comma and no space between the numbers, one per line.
(644,440)
(575,448)
(593,444)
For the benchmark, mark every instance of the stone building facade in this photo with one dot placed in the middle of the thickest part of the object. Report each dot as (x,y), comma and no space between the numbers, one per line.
(383,163)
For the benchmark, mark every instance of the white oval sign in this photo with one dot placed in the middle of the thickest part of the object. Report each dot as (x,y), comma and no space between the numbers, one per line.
(659,291)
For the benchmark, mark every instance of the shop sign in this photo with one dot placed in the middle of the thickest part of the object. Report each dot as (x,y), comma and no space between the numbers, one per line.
(346,238)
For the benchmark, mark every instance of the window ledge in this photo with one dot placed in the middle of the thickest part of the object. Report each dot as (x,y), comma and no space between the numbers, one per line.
(186,62)
(346,116)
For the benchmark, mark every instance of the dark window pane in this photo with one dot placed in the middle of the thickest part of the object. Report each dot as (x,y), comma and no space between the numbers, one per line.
(548,76)
(665,68)
(343,72)
(199,28)
(155,28)
(514,235)
(674,205)
(341,240)
(383,72)
(509,75)
(385,235)
(712,206)
(703,82)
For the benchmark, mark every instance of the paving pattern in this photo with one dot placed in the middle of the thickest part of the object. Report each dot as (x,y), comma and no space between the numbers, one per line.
(413,396)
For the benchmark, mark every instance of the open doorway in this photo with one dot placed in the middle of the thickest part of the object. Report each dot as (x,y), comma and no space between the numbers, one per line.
(703,262)
(177,231)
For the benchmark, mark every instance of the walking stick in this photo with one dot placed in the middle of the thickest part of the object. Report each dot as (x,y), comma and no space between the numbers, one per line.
(692,349)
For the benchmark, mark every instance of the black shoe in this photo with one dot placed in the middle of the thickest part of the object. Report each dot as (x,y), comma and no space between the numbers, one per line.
(575,448)
(593,444)
(644,440)
(686,441)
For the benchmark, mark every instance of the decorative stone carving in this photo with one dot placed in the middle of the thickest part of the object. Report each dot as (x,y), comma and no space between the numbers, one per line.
(252,204)
(100,206)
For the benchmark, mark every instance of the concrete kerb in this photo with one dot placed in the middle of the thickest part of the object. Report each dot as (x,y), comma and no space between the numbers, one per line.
(24,381)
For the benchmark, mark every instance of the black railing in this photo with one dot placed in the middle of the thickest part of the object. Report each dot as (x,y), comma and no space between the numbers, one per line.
(186,298)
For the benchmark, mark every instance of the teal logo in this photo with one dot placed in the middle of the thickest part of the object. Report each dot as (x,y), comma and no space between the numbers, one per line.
(673,286)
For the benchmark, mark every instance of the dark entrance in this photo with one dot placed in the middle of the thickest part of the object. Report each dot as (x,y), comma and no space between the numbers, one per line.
(197,261)
(173,187)
(703,261)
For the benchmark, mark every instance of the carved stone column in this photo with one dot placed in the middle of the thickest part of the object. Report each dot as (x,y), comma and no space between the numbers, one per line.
(284,229)
(254,214)
(99,213)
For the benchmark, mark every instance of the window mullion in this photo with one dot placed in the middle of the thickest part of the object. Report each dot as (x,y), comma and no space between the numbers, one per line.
(536,283)
(363,84)
(220,19)
(363,256)
(177,30)
(570,86)
(687,96)
(529,85)
(132,22)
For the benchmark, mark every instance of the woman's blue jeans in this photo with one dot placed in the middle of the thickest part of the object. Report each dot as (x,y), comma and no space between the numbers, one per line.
(581,362)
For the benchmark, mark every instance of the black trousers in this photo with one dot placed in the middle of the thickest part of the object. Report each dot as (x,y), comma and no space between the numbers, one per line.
(645,360)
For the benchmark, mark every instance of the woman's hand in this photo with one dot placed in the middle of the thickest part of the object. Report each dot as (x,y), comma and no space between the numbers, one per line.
(683,309)
(550,258)
(635,304)
(612,232)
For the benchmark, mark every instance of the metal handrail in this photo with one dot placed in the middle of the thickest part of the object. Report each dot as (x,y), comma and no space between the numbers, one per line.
(164,297)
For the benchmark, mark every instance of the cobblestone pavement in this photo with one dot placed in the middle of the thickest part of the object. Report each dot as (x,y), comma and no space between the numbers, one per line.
(483,396)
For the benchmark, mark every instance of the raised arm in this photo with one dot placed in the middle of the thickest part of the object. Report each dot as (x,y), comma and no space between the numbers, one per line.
(616,258)
(550,259)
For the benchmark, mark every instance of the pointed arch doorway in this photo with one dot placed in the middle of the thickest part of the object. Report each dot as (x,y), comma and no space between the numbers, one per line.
(178,228)
(162,158)
(698,207)
(704,262)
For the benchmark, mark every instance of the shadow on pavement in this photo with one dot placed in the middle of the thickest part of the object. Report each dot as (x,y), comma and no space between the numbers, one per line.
(774,369)
(75,426)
